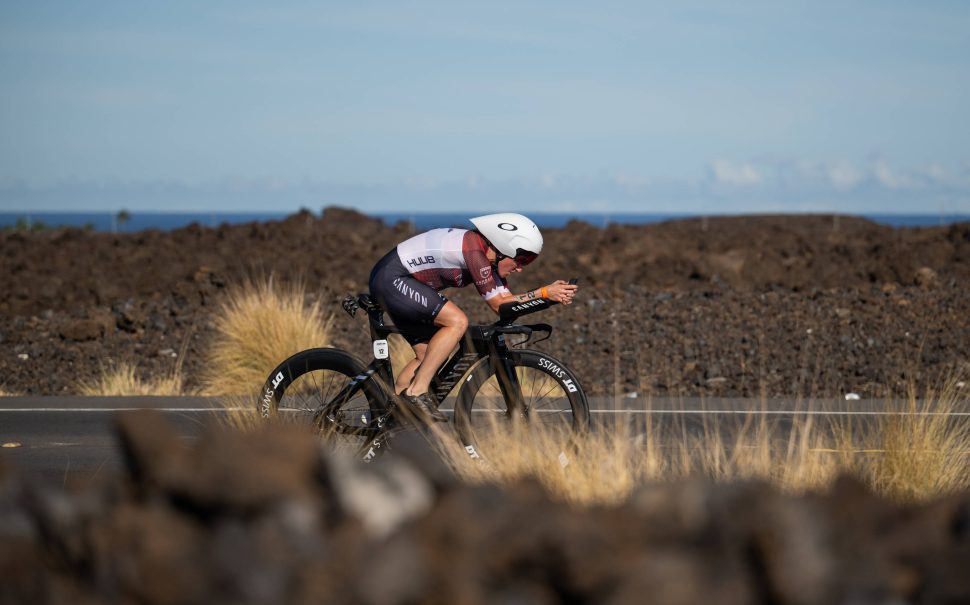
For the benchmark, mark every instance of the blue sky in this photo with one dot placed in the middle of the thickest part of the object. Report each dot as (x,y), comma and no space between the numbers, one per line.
(564,106)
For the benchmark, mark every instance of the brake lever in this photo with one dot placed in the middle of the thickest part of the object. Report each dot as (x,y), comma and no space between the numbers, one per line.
(529,331)
(541,328)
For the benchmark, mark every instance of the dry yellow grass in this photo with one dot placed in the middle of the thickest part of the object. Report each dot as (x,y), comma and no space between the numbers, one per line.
(123,380)
(242,412)
(795,460)
(5,393)
(602,467)
(909,457)
(606,465)
(923,452)
(258,325)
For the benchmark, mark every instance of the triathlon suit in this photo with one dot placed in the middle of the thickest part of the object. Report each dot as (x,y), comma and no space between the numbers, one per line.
(408,281)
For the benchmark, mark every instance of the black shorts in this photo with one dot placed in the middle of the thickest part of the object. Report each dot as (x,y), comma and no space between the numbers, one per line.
(411,305)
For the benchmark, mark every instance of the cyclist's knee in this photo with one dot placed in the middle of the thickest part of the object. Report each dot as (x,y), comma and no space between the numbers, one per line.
(452,317)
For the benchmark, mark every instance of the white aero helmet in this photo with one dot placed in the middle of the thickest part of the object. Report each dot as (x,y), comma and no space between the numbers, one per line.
(513,235)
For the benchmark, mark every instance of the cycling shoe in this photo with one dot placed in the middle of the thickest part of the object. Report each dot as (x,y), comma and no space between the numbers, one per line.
(425,406)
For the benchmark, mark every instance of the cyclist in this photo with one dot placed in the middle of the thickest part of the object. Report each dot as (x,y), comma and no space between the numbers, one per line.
(408,280)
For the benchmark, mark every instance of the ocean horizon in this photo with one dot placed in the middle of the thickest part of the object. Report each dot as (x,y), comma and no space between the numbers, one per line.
(165,221)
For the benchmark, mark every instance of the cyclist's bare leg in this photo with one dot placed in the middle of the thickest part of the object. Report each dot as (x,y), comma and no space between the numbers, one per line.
(453,323)
(406,375)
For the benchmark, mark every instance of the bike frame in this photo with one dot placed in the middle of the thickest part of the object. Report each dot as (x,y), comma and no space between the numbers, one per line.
(479,342)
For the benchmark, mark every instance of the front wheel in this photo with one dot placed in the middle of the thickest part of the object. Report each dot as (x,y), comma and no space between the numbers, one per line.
(329,391)
(554,409)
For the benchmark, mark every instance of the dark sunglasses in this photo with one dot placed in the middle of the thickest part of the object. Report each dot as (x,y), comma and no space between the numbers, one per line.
(524,257)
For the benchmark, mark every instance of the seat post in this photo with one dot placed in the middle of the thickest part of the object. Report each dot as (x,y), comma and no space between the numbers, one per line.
(375,315)
(378,331)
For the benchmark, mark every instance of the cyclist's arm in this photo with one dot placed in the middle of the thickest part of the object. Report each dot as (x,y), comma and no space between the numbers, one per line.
(558,291)
(494,289)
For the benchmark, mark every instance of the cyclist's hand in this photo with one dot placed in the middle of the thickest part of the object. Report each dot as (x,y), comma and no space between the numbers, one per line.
(561,292)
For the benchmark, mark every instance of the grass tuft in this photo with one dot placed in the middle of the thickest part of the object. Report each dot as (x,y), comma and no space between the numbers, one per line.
(914,456)
(605,466)
(924,452)
(242,412)
(258,325)
(123,380)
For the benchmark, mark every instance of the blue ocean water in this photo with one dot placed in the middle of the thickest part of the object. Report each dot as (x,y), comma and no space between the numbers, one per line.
(107,221)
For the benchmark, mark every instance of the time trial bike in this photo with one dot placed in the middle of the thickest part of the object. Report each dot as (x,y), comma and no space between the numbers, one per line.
(337,394)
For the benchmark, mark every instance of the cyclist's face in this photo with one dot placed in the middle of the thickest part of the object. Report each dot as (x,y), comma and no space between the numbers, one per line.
(508,266)
(504,266)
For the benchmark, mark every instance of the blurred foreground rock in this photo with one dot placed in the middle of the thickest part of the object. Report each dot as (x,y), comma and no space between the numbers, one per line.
(271,518)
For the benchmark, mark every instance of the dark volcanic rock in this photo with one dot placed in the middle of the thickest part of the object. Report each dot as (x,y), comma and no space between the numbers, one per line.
(778,305)
(82,329)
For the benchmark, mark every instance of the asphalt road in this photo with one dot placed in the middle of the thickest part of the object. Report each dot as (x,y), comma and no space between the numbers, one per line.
(72,438)
(65,438)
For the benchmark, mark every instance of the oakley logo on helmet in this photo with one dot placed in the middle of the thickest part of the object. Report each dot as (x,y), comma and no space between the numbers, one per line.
(507,227)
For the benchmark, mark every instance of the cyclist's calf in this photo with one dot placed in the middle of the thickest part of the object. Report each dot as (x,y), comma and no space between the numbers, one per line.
(453,323)
(406,374)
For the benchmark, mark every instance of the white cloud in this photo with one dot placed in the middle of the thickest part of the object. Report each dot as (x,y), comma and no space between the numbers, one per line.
(630,181)
(889,178)
(727,172)
(844,176)
(768,185)
(936,171)
(800,174)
